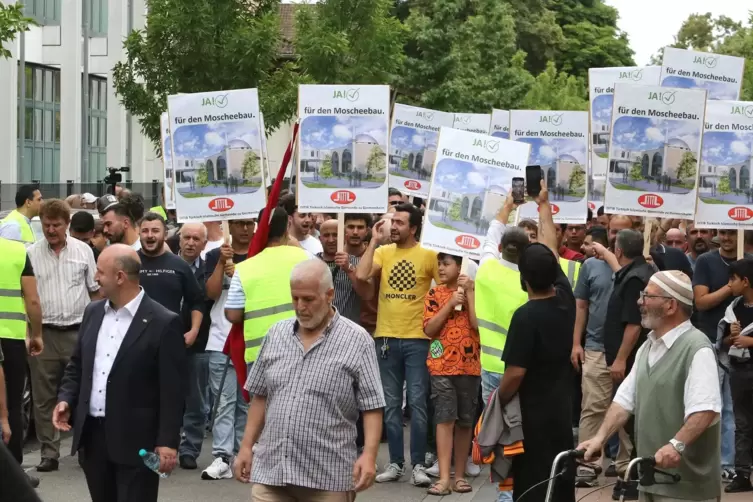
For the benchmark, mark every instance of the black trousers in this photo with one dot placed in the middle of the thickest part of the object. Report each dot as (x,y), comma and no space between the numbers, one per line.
(110,482)
(14,367)
(741,386)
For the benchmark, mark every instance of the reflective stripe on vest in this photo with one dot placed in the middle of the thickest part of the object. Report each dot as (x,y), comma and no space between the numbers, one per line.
(571,269)
(12,309)
(159,210)
(27,233)
(266,283)
(498,296)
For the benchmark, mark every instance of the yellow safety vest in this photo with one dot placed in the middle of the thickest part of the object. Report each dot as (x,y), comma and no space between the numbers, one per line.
(266,283)
(27,233)
(12,309)
(159,210)
(571,269)
(498,296)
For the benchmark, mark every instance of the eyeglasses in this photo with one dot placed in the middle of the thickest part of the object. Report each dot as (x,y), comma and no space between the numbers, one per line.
(395,202)
(644,295)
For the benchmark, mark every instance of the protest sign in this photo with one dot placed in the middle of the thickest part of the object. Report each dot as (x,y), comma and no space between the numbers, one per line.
(725,192)
(216,155)
(472,122)
(600,91)
(654,150)
(264,152)
(472,176)
(342,154)
(167,161)
(721,76)
(559,144)
(413,147)
(500,125)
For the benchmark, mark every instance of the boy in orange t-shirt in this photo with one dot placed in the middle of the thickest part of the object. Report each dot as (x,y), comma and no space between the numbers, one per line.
(454,369)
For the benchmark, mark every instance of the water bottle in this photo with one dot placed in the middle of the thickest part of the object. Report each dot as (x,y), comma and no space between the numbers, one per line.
(151,460)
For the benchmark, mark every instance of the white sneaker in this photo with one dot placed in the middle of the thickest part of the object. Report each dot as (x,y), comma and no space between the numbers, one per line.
(219,469)
(419,477)
(433,471)
(472,470)
(392,472)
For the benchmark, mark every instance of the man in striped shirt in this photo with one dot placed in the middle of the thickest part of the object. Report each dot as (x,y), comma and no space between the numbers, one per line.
(348,291)
(64,268)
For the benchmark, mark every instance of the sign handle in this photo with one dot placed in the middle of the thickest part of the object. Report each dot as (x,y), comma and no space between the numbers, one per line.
(740,244)
(226,231)
(340,232)
(647,236)
(463,270)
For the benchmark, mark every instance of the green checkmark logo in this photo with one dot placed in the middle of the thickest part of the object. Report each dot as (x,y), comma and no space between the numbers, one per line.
(668,98)
(352,94)
(557,119)
(492,146)
(221,101)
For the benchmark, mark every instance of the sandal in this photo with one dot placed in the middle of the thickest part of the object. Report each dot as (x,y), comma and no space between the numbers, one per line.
(439,489)
(462,486)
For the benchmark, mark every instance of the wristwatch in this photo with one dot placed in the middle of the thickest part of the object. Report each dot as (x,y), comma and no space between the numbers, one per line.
(677,445)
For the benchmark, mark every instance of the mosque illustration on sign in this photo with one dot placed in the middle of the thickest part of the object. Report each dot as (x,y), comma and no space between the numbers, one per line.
(725,176)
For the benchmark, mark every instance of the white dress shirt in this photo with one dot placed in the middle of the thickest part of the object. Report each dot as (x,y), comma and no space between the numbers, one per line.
(114,327)
(702,391)
(490,249)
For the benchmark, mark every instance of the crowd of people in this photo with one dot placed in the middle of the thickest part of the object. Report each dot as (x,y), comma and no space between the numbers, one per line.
(566,334)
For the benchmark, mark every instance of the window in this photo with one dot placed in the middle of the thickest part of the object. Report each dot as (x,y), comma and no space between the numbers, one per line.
(45,12)
(98,17)
(97,138)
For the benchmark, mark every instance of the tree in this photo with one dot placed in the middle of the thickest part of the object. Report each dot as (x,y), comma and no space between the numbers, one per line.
(12,21)
(349,41)
(577,179)
(205,45)
(454,212)
(404,164)
(202,177)
(537,32)
(687,168)
(462,56)
(722,186)
(554,90)
(250,167)
(325,171)
(375,162)
(636,172)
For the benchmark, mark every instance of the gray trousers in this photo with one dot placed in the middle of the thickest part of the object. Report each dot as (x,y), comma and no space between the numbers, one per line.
(46,374)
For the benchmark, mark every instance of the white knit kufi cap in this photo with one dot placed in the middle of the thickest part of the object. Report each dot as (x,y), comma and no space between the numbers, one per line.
(676,284)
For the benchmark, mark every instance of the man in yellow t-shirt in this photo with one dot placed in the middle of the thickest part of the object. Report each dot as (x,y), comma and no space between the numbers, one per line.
(405,271)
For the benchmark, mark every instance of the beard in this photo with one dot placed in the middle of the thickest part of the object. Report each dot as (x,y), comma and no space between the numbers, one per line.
(314,321)
(651,317)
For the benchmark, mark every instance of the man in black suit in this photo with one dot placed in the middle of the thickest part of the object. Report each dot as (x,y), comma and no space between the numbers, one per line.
(123,387)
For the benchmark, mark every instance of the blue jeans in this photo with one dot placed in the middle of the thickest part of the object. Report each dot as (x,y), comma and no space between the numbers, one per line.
(728,422)
(405,361)
(230,421)
(195,414)
(490,382)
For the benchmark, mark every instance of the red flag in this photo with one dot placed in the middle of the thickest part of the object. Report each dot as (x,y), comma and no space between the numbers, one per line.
(235,346)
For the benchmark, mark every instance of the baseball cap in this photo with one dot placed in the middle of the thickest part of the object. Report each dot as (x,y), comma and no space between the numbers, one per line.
(88,198)
(106,202)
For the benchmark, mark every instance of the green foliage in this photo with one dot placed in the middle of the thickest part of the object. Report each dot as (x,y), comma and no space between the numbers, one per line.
(202,176)
(12,21)
(326,170)
(636,172)
(404,164)
(687,168)
(577,179)
(554,90)
(375,162)
(454,212)
(250,166)
(722,186)
(205,45)
(537,32)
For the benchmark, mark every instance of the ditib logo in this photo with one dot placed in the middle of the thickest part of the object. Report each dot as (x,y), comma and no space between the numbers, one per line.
(650,201)
(467,242)
(221,204)
(343,197)
(412,185)
(555,209)
(740,213)
(591,206)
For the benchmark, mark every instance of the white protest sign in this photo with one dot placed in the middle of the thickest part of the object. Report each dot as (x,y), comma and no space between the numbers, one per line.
(559,144)
(721,76)
(264,152)
(472,176)
(472,122)
(500,125)
(725,191)
(167,161)
(654,151)
(342,153)
(413,147)
(216,155)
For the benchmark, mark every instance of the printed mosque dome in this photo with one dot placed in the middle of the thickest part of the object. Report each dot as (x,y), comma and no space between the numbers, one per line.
(238,144)
(678,143)
(567,158)
(365,138)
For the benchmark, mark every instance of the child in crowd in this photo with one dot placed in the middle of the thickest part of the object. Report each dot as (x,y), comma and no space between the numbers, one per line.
(736,328)
(454,368)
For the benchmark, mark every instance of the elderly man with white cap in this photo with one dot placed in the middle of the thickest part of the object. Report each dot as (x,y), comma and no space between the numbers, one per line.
(673,392)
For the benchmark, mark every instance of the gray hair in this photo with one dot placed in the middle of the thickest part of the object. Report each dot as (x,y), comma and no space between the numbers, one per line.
(202,229)
(313,268)
(630,242)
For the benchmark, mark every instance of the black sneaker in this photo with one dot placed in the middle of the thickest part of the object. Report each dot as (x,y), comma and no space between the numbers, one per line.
(740,483)
(187,462)
(611,471)
(630,489)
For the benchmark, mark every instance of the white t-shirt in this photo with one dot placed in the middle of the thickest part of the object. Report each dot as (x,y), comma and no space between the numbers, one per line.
(312,245)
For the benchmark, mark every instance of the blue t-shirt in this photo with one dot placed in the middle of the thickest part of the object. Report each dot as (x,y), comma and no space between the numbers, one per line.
(595,286)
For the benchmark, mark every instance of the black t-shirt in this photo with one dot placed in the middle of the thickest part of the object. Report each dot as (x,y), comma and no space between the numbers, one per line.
(200,344)
(712,271)
(623,309)
(170,281)
(213,257)
(28,270)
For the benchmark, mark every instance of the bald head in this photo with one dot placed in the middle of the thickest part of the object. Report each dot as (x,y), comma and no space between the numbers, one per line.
(675,238)
(122,258)
(328,238)
(616,223)
(312,291)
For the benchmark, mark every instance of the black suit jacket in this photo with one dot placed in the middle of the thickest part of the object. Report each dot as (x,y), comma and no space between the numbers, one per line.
(145,388)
